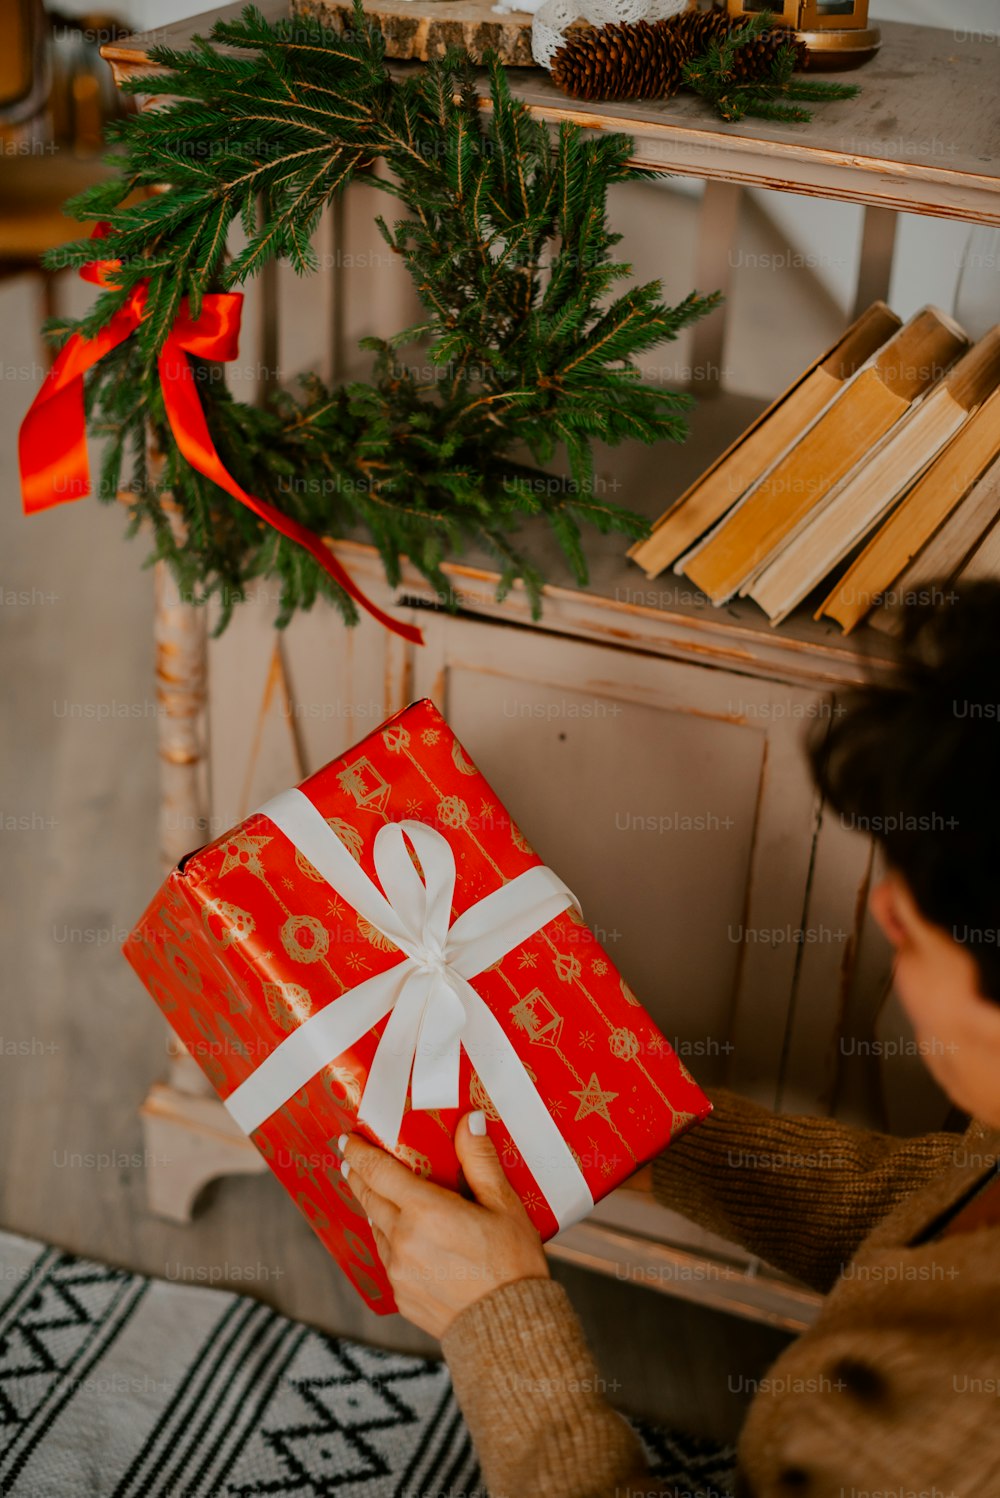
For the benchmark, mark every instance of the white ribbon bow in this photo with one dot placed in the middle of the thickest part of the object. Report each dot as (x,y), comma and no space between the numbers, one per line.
(433,1009)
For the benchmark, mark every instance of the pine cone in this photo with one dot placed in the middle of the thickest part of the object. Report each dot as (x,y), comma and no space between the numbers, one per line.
(645,59)
(637,60)
(754,60)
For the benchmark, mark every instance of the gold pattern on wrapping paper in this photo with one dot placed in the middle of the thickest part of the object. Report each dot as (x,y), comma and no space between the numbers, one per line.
(288,1004)
(370,790)
(242,851)
(236,924)
(586,1040)
(463,764)
(538,1017)
(568,967)
(342,1085)
(304,938)
(624,1044)
(452,811)
(413,1158)
(430,735)
(181,965)
(519,840)
(376,937)
(527,959)
(629,996)
(396,739)
(480,1098)
(593,1099)
(305,867)
(236,999)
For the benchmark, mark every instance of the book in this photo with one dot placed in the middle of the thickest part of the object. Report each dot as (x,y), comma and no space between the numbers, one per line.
(764,441)
(855,506)
(948,550)
(916,518)
(880,393)
(985,560)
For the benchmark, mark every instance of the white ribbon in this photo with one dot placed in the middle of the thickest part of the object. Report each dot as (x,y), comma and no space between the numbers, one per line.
(433,1009)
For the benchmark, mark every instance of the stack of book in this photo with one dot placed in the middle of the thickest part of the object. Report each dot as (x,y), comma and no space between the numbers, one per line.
(884,455)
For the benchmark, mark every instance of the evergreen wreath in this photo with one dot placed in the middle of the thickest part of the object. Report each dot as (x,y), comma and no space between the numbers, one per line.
(505,235)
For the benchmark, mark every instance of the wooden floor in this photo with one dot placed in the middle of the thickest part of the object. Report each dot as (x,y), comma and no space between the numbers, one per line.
(79,1041)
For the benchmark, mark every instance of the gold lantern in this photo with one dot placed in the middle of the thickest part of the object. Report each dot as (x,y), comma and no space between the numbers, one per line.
(836,33)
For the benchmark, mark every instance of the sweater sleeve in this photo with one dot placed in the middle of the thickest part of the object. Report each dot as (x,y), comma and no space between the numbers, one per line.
(534,1400)
(798,1192)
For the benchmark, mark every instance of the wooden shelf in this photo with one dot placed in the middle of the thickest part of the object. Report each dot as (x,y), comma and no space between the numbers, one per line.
(923,135)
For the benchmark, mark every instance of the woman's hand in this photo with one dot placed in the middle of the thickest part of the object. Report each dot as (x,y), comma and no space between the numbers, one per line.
(440,1251)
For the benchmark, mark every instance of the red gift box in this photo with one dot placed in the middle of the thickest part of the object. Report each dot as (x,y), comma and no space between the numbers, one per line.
(384,939)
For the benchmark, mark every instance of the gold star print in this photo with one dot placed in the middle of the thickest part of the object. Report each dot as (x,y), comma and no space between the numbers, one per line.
(288,884)
(335,908)
(531,1201)
(356,961)
(593,1099)
(413,806)
(527,959)
(243,852)
(599,965)
(587,1039)
(430,735)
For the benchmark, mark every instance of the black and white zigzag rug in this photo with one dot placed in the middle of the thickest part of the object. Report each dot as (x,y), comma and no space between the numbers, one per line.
(117,1386)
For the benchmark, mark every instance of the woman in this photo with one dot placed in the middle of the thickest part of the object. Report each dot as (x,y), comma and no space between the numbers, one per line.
(895,1391)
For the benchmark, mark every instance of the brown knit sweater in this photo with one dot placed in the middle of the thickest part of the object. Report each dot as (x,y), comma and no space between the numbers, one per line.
(893,1393)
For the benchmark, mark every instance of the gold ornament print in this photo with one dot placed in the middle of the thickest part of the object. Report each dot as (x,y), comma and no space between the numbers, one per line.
(226,923)
(630,997)
(242,851)
(304,938)
(417,1162)
(182,967)
(480,1098)
(463,764)
(305,867)
(396,739)
(593,1099)
(567,966)
(624,1044)
(452,811)
(342,1086)
(362,781)
(519,840)
(288,1004)
(374,935)
(538,1017)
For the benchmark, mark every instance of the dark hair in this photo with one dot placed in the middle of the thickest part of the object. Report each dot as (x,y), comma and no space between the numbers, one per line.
(914,758)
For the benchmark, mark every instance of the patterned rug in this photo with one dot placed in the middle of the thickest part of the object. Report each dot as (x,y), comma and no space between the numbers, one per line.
(117,1386)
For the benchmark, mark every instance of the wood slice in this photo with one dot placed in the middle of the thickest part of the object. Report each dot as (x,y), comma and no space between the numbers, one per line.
(425,29)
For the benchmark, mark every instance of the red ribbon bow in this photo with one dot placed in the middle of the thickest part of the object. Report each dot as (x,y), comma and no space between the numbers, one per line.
(53,442)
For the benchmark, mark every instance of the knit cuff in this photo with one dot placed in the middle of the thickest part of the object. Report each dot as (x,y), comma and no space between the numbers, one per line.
(521,1341)
(532,1395)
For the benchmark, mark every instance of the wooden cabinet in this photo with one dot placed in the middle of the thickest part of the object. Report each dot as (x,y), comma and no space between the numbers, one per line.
(650,746)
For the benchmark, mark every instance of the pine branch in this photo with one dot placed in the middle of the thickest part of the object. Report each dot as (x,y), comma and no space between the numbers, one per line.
(525,350)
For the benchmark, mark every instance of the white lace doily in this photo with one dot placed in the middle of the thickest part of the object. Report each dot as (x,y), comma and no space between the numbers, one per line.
(551,18)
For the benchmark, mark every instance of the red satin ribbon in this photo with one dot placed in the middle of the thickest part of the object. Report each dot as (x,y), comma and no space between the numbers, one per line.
(53,444)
